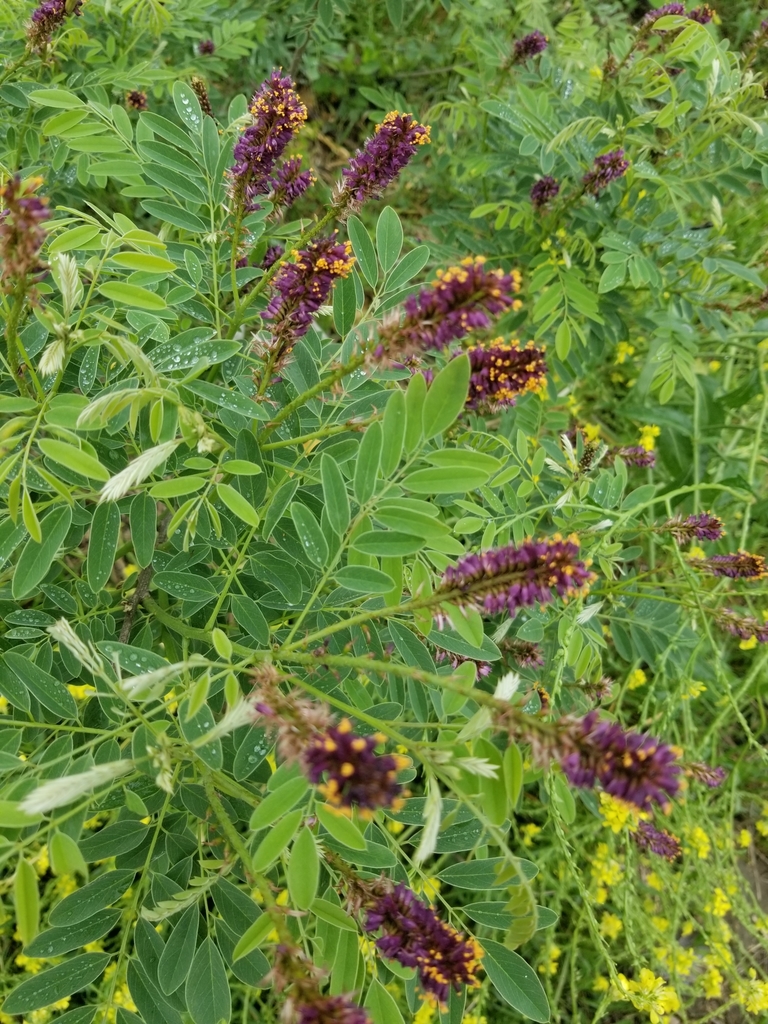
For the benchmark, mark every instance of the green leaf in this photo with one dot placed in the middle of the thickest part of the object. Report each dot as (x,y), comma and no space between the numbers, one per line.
(186,586)
(484,874)
(273,844)
(57,941)
(311,537)
(303,870)
(612,277)
(195,727)
(144,261)
(344,305)
(253,937)
(55,98)
(179,951)
(143,522)
(188,108)
(11,815)
(367,464)
(73,458)
(51,693)
(238,503)
(49,986)
(131,295)
(389,238)
(395,12)
(36,559)
(393,433)
(74,238)
(387,543)
(248,615)
(515,981)
(96,895)
(408,267)
(334,494)
(445,481)
(415,396)
(563,340)
(364,580)
(340,827)
(363,249)
(105,533)
(207,990)
(278,803)
(446,397)
(333,914)
(27,901)
(175,215)
(380,1005)
(66,858)
(115,839)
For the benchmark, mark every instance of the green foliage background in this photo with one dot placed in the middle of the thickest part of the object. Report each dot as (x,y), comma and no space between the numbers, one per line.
(292,531)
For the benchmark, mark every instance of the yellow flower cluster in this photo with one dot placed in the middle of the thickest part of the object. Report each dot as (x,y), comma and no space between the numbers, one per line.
(623,351)
(676,959)
(606,872)
(618,813)
(636,679)
(719,905)
(753,994)
(550,965)
(712,983)
(699,842)
(529,833)
(648,435)
(693,690)
(650,994)
(610,926)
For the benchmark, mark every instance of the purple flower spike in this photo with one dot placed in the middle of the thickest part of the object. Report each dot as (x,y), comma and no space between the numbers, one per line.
(629,765)
(21,228)
(703,14)
(743,626)
(608,167)
(544,190)
(502,371)
(355,775)
(331,1010)
(289,183)
(706,774)
(700,526)
(530,46)
(636,455)
(278,114)
(740,566)
(414,935)
(271,256)
(381,160)
(206,47)
(509,578)
(661,12)
(461,300)
(47,18)
(658,841)
(303,286)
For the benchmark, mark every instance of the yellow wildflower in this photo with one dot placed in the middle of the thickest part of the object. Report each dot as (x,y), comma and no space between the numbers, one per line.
(42,861)
(591,431)
(65,884)
(623,350)
(617,813)
(749,644)
(661,924)
(676,958)
(712,983)
(80,692)
(696,552)
(714,365)
(636,679)
(551,963)
(530,831)
(425,1013)
(719,905)
(610,926)
(30,964)
(654,881)
(693,690)
(648,435)
(650,994)
(430,887)
(3,705)
(700,842)
(600,984)
(687,928)
(473,1018)
(752,994)
(395,827)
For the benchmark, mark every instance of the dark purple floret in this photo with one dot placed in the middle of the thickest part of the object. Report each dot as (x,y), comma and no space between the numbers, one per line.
(355,775)
(501,371)
(629,765)
(200,90)
(703,14)
(706,774)
(278,114)
(380,160)
(136,100)
(739,566)
(47,18)
(22,234)
(303,286)
(271,256)
(660,12)
(530,46)
(699,526)
(743,626)
(509,578)
(544,190)
(658,841)
(206,47)
(524,652)
(414,935)
(460,300)
(331,1010)
(637,455)
(289,182)
(608,167)
(483,668)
